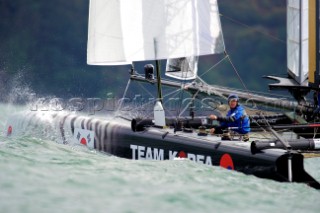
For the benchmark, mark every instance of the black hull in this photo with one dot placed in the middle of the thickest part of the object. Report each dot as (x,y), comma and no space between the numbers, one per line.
(271,164)
(116,138)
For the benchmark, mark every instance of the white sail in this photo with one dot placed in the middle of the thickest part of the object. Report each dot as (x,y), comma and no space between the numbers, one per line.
(122,31)
(297,40)
(182,68)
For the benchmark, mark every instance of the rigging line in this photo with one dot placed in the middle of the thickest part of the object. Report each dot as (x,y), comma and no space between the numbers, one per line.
(237,73)
(183,84)
(213,66)
(124,94)
(208,89)
(150,101)
(186,107)
(273,131)
(257,92)
(145,90)
(175,91)
(254,29)
(143,105)
(264,133)
(180,97)
(239,77)
(246,89)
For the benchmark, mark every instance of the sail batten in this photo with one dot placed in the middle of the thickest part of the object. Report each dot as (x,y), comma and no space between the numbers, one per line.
(122,31)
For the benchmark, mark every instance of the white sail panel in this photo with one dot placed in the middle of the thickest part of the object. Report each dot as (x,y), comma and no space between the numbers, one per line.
(122,31)
(297,40)
(182,68)
(103,32)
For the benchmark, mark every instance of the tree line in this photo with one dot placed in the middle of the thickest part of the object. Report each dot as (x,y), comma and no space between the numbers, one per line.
(43,45)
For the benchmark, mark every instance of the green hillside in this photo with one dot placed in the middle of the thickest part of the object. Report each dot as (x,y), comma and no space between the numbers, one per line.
(43,47)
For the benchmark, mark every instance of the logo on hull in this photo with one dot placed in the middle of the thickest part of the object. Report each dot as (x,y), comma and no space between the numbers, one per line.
(84,137)
(150,153)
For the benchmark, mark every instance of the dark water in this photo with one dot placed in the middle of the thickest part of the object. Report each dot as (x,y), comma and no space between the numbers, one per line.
(39,175)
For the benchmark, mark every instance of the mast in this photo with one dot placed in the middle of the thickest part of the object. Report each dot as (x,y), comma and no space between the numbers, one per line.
(158,110)
(158,70)
(314,75)
(159,87)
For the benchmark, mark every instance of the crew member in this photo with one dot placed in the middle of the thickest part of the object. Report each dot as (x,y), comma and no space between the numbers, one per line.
(236,118)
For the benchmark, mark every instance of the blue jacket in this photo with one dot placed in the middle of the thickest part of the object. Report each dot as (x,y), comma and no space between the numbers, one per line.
(236,117)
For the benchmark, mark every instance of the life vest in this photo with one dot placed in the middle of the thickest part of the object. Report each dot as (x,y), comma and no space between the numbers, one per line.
(240,120)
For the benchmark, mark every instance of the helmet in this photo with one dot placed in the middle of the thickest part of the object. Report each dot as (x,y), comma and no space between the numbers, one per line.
(233,96)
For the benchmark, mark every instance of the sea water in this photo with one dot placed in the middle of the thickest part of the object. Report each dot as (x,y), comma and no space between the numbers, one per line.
(40,175)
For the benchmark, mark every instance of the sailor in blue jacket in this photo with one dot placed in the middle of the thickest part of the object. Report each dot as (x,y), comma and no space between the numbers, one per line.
(236,117)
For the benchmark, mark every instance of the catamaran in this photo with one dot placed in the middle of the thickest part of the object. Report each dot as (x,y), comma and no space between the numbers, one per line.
(128,31)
